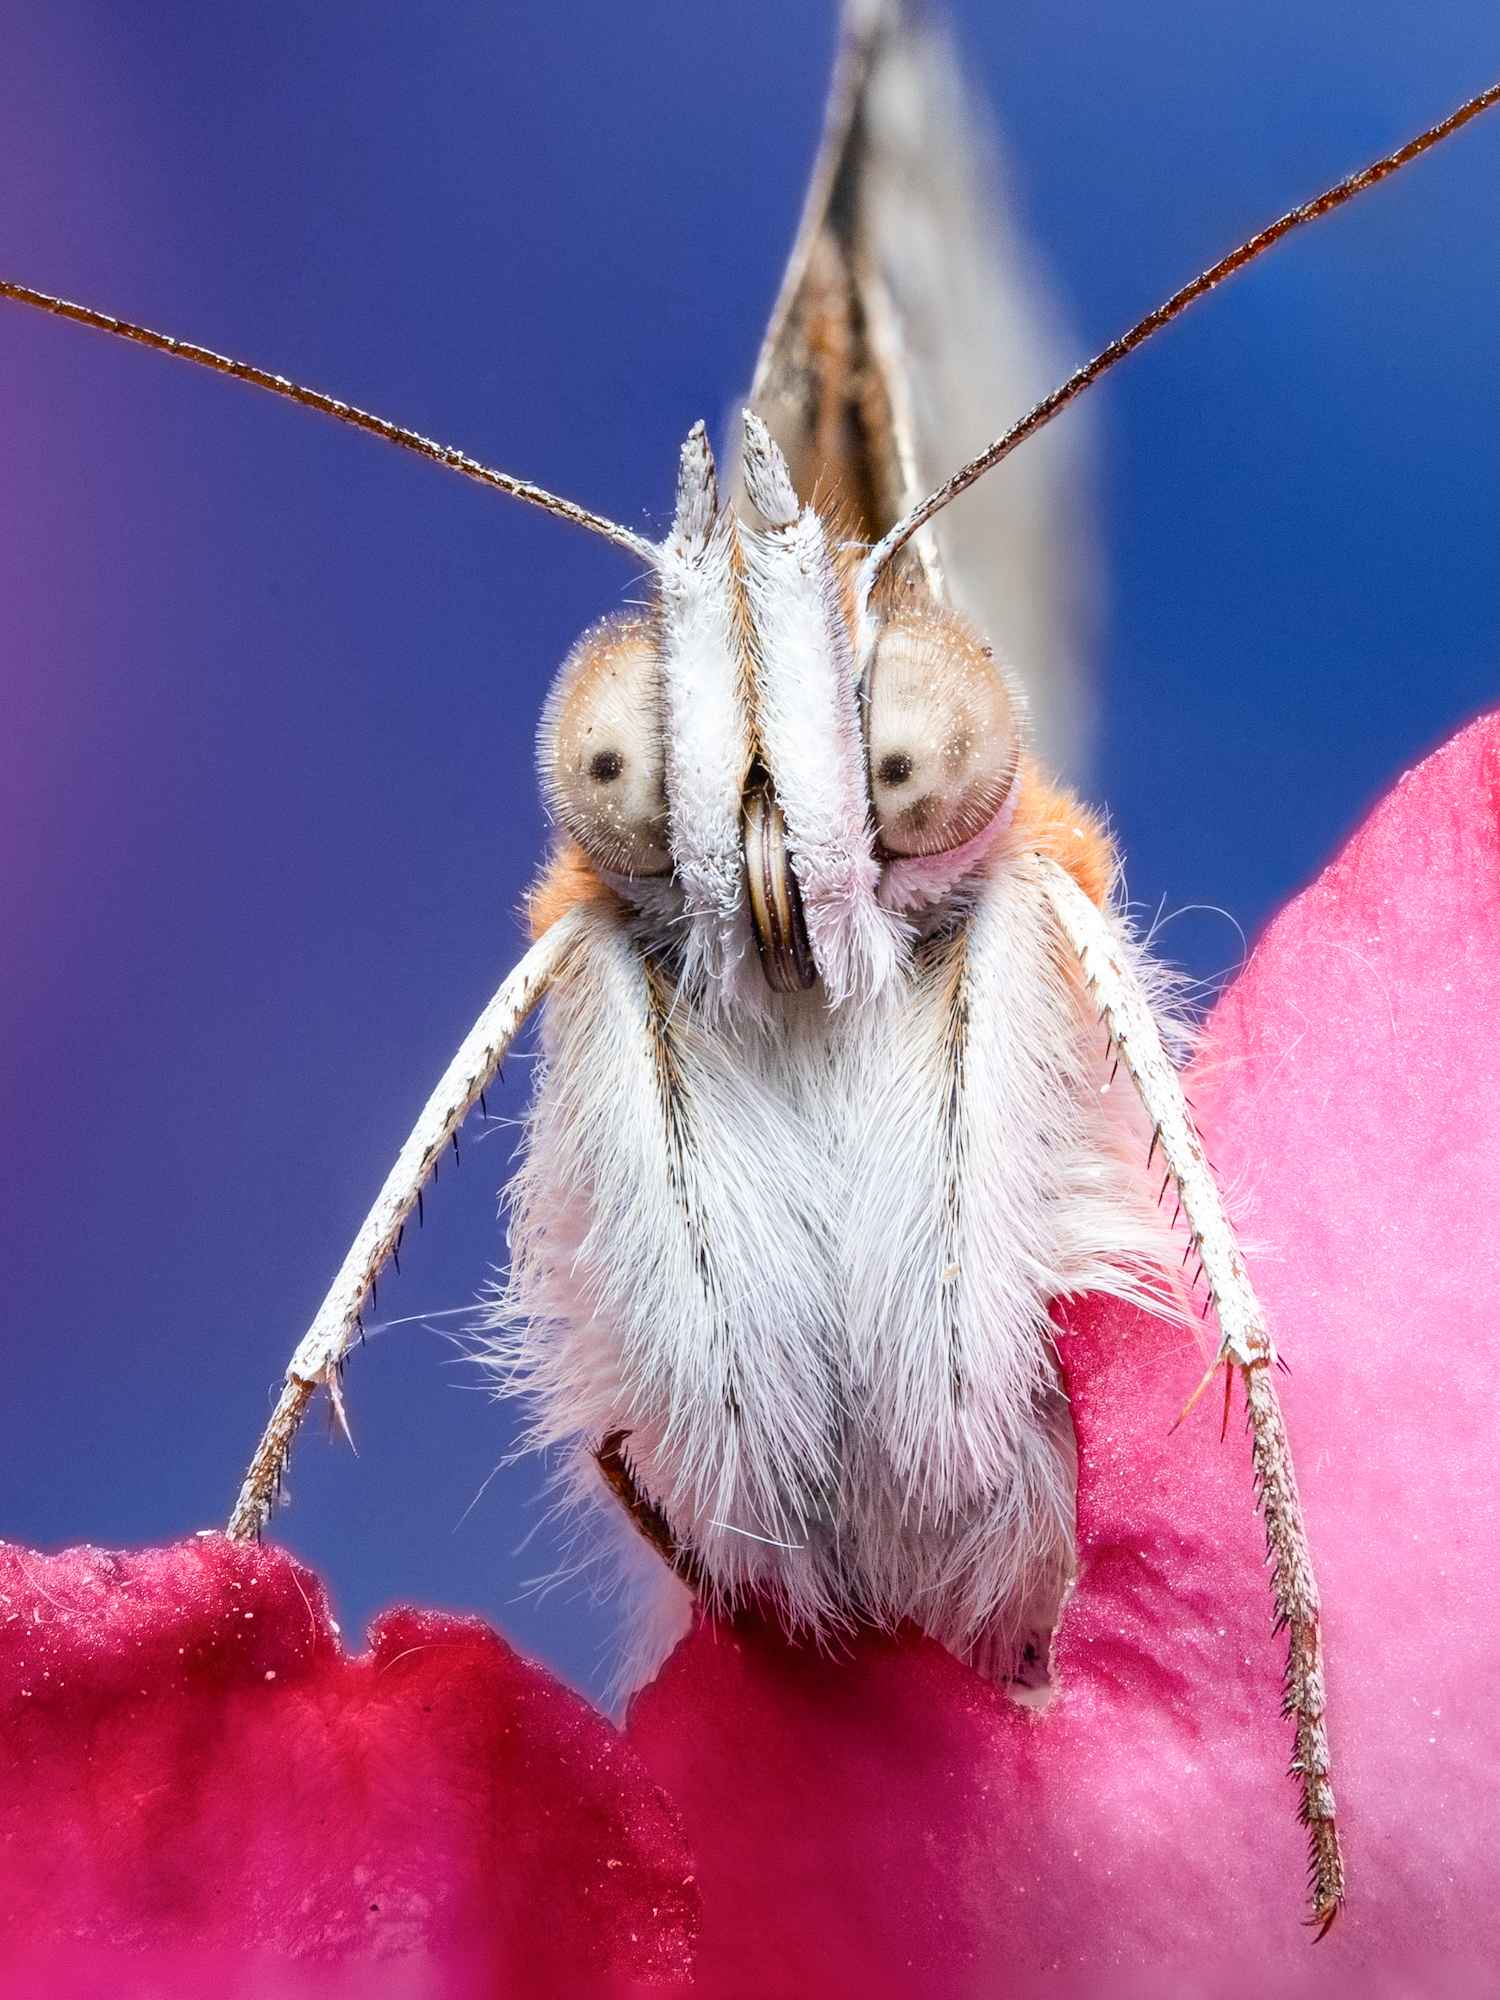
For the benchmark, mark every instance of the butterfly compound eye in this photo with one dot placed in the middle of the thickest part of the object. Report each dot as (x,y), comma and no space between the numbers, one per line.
(941,732)
(602,759)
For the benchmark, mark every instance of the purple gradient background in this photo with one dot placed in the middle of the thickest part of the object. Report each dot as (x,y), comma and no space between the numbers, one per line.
(266,800)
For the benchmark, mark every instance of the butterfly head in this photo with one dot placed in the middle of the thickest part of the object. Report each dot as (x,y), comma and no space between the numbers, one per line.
(784,775)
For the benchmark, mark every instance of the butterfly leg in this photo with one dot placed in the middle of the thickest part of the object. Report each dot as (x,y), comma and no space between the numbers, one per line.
(650,1522)
(1245,1344)
(322,1349)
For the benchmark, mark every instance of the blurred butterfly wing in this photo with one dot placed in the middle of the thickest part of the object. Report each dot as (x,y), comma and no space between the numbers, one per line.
(912,326)
(827,372)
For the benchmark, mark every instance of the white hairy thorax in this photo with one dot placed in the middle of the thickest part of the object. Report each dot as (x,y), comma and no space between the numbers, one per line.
(800,1243)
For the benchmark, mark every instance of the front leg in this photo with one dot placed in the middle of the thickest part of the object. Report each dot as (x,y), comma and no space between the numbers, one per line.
(1244,1343)
(648,1519)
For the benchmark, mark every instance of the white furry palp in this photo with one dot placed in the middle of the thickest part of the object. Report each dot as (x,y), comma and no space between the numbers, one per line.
(706,716)
(808,724)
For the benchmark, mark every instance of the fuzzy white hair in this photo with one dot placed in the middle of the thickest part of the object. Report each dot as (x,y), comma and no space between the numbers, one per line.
(807,716)
(707,736)
(807,1262)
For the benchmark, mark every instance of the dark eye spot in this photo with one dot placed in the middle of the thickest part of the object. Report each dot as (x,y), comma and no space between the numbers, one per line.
(606,766)
(895,768)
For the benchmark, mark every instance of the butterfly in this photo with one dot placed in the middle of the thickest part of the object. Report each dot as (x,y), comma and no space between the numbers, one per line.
(836,999)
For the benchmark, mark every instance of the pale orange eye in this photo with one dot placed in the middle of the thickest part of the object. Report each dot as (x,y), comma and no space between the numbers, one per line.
(602,759)
(941,733)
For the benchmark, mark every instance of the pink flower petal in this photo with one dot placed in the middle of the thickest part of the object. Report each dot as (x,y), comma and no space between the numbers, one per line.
(194,1771)
(884,1824)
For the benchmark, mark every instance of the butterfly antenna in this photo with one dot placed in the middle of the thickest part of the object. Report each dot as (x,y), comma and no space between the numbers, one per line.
(346,413)
(1082,378)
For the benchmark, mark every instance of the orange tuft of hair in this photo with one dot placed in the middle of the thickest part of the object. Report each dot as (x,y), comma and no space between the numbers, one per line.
(567,881)
(1050,821)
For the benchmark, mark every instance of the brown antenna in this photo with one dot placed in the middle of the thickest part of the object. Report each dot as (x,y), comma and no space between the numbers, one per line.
(346,413)
(1035,419)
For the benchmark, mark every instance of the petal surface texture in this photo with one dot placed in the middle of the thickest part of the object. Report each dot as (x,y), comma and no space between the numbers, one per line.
(204,1795)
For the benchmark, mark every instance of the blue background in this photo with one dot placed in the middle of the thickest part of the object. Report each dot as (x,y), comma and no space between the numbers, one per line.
(266,797)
